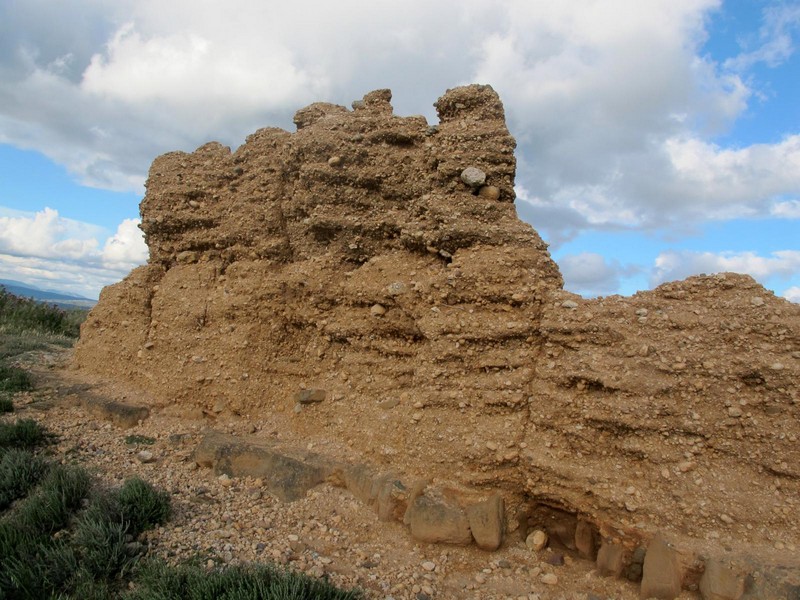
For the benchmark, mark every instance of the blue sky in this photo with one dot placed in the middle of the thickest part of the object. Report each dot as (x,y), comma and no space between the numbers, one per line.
(656,139)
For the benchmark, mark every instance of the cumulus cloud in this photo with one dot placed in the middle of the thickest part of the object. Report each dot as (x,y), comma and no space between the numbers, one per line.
(122,82)
(615,106)
(47,235)
(77,278)
(591,274)
(735,182)
(792,294)
(185,70)
(126,248)
(674,265)
(46,249)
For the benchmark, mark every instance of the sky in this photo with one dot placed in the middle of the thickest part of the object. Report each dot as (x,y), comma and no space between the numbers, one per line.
(656,139)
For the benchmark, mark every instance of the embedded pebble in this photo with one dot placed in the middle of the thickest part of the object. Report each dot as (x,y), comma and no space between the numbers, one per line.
(536,540)
(489,192)
(145,456)
(473,177)
(549,578)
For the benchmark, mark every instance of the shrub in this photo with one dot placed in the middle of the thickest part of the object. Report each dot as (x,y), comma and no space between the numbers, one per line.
(157,580)
(102,544)
(59,496)
(142,506)
(40,569)
(19,472)
(23,315)
(25,433)
(6,404)
(13,379)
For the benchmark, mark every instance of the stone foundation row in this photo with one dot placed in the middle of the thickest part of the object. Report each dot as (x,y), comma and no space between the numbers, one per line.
(437,514)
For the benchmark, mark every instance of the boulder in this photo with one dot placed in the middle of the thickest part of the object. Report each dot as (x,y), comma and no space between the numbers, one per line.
(662,574)
(434,518)
(487,522)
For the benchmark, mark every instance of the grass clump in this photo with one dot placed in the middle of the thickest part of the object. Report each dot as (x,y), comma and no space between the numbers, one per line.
(14,379)
(103,547)
(6,404)
(157,580)
(136,439)
(56,499)
(23,315)
(19,472)
(24,433)
(142,506)
(56,544)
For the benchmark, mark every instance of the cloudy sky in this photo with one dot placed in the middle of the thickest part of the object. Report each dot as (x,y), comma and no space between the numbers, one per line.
(657,138)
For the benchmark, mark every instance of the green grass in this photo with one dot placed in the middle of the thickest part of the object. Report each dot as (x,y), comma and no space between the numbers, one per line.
(14,379)
(103,546)
(58,496)
(136,439)
(6,403)
(142,506)
(54,545)
(19,472)
(158,581)
(12,344)
(26,316)
(24,433)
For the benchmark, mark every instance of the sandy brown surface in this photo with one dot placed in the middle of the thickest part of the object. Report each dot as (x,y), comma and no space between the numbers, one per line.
(329,533)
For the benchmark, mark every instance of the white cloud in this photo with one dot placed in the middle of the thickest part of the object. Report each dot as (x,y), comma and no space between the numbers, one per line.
(45,248)
(184,70)
(786,209)
(126,248)
(591,274)
(775,41)
(674,265)
(729,183)
(614,103)
(58,275)
(47,235)
(792,294)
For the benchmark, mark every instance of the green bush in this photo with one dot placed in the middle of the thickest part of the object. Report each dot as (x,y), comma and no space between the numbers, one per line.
(143,440)
(156,580)
(13,379)
(50,547)
(142,506)
(25,433)
(57,498)
(39,569)
(102,545)
(19,472)
(23,315)
(6,404)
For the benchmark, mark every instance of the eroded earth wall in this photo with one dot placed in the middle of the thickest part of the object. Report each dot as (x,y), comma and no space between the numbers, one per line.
(347,287)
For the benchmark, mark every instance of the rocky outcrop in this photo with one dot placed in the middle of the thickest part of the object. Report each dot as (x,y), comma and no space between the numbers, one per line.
(364,285)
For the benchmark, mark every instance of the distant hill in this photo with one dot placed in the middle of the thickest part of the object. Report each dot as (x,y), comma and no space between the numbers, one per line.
(60,299)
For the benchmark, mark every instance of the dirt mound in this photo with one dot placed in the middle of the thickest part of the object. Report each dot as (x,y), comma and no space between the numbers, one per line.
(364,286)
